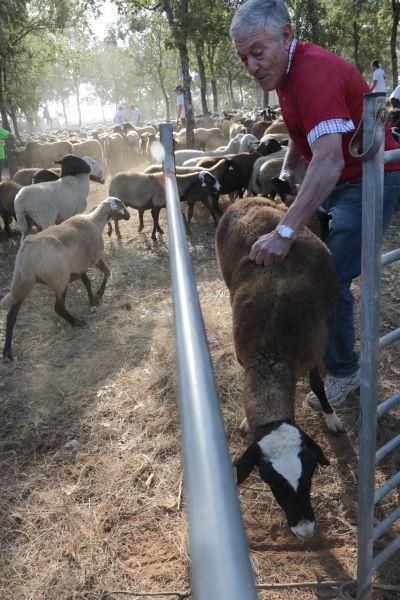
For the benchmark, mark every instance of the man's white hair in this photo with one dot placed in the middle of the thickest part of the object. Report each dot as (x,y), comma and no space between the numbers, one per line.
(273,15)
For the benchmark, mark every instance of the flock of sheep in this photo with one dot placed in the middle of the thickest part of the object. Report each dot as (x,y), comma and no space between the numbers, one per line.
(278,334)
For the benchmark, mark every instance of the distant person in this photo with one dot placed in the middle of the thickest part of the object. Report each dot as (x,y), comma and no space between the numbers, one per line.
(120,116)
(395,97)
(180,101)
(378,77)
(47,117)
(135,115)
(4,134)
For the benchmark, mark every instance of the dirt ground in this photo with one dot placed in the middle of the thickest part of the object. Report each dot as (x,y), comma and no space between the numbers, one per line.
(91,496)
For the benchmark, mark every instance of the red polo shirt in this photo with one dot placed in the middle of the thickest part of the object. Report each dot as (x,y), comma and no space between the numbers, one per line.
(320,86)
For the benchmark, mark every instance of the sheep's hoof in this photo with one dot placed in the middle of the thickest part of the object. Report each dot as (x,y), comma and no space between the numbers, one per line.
(244,428)
(334,424)
(141,227)
(161,231)
(7,356)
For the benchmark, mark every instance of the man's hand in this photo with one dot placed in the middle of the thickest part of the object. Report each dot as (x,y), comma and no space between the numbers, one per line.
(270,249)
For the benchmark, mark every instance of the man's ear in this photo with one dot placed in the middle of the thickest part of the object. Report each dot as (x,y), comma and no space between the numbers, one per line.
(322,460)
(246,463)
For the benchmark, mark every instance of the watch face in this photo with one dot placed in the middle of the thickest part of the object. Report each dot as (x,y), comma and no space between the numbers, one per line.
(286,231)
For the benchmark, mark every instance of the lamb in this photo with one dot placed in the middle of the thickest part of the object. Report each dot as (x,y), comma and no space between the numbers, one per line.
(58,255)
(279,329)
(247,143)
(54,201)
(145,191)
(8,190)
(24,176)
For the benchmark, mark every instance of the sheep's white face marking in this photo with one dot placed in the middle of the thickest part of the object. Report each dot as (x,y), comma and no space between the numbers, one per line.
(94,167)
(304,529)
(281,448)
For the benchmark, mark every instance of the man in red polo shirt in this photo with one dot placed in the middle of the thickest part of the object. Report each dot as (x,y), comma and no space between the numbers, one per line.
(321,98)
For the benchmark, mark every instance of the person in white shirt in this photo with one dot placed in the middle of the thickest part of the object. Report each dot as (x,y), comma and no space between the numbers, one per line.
(120,116)
(379,77)
(135,115)
(395,97)
(180,101)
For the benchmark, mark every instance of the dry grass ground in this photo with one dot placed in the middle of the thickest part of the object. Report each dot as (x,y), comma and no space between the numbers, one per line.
(91,471)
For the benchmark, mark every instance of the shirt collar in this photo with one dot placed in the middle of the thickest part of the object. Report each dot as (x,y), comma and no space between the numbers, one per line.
(292,48)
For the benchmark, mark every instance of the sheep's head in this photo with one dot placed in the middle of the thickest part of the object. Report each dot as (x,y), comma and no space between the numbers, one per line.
(286,458)
(269,146)
(249,143)
(210,182)
(118,209)
(72,165)
(96,173)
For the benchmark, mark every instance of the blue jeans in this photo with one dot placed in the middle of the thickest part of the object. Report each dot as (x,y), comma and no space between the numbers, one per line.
(344,242)
(2,160)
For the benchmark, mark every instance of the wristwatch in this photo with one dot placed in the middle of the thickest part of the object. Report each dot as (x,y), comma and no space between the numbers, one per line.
(286,232)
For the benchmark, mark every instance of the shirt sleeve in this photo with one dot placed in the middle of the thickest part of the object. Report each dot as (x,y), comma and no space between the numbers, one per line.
(330,126)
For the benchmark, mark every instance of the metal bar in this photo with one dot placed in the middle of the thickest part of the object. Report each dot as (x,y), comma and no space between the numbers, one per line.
(389,338)
(390,257)
(384,555)
(391,155)
(387,487)
(387,405)
(219,553)
(389,447)
(372,219)
(386,523)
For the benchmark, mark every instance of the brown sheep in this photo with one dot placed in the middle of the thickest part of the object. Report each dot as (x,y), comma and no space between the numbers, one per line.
(8,190)
(279,330)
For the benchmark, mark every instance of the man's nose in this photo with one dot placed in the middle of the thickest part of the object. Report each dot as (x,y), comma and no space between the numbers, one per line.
(252,65)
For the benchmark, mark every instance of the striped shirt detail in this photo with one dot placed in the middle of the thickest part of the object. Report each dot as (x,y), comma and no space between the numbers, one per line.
(325,127)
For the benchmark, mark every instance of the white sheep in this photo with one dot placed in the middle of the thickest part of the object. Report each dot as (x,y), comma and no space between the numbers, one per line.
(232,148)
(248,143)
(58,255)
(54,201)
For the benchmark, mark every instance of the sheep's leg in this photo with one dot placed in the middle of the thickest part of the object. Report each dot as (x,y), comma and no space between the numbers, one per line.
(141,223)
(317,385)
(156,226)
(210,210)
(188,219)
(109,228)
(116,227)
(11,318)
(60,309)
(104,269)
(86,282)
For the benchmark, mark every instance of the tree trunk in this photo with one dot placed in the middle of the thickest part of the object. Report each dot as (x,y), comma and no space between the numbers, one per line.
(199,46)
(230,90)
(241,95)
(64,112)
(179,29)
(356,43)
(3,112)
(14,122)
(102,112)
(78,104)
(393,40)
(265,99)
(164,92)
(215,94)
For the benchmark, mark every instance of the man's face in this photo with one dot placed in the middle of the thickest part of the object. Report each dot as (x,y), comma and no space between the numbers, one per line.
(265,55)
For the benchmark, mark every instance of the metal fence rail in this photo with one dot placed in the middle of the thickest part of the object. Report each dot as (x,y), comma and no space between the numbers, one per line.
(221,568)
(372,260)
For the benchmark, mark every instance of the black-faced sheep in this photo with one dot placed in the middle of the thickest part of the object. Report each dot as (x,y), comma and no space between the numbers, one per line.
(279,330)
(144,191)
(58,255)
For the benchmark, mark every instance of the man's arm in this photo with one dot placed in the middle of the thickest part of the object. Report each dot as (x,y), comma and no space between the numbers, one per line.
(290,164)
(4,133)
(322,175)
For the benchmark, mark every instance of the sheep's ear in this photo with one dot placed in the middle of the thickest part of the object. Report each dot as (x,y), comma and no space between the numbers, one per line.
(246,463)
(322,460)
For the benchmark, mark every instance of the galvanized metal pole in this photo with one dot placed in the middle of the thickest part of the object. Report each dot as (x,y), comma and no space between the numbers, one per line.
(372,217)
(221,568)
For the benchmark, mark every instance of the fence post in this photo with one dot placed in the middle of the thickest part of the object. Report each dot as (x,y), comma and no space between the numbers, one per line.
(372,218)
(221,568)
